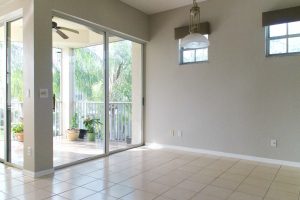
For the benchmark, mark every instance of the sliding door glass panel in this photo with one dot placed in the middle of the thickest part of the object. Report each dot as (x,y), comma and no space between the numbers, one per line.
(2,91)
(125,93)
(81,134)
(16,90)
(56,74)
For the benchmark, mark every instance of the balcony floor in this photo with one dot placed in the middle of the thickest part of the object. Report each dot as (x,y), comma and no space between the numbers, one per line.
(66,151)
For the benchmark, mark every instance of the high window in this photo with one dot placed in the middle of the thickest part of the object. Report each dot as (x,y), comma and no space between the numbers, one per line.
(189,56)
(282,39)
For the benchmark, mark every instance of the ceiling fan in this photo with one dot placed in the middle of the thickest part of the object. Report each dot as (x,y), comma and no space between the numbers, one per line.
(58,30)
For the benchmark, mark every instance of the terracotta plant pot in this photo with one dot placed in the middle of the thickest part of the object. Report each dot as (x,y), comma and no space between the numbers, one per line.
(20,137)
(72,134)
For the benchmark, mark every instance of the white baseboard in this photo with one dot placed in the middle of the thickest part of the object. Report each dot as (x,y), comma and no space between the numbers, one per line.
(229,155)
(38,174)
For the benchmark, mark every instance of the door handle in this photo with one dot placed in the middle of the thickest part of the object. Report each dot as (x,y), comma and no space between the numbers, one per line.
(53,103)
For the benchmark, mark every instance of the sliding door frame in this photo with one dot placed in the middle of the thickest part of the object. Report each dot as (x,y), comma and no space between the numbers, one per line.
(4,52)
(5,21)
(103,35)
(107,33)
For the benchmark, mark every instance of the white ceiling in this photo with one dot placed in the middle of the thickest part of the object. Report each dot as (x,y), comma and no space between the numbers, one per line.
(147,6)
(155,6)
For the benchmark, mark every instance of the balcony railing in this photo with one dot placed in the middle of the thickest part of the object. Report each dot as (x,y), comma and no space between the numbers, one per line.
(120,117)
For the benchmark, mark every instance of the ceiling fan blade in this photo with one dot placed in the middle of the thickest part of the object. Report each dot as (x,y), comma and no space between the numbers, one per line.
(68,29)
(64,36)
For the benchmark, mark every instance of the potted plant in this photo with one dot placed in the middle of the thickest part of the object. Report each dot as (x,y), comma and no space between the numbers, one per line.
(18,131)
(72,133)
(91,125)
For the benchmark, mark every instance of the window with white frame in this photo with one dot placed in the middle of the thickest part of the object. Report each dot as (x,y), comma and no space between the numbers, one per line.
(283,39)
(188,56)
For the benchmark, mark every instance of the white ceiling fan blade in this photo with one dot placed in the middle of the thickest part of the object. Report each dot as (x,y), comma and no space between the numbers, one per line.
(64,36)
(68,29)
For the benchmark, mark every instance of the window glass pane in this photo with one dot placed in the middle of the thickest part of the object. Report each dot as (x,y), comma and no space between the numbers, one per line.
(15,53)
(188,56)
(294,28)
(294,45)
(201,54)
(278,30)
(78,74)
(125,93)
(278,46)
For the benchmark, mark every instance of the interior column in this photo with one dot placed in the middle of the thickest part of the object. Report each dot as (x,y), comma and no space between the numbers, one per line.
(38,125)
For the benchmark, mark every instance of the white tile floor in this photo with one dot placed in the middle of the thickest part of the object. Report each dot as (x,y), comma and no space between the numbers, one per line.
(145,174)
(65,151)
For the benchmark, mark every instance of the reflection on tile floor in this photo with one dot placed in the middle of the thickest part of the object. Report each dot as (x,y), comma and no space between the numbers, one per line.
(146,174)
(66,151)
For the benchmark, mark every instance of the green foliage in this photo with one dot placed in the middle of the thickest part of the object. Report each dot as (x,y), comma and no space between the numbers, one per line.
(92,125)
(17,86)
(57,56)
(74,122)
(120,76)
(89,72)
(56,83)
(18,128)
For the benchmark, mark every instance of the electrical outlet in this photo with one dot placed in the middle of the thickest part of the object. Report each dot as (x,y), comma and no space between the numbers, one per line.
(274,143)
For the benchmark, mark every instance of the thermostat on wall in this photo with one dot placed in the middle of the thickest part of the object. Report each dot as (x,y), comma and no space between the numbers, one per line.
(44,93)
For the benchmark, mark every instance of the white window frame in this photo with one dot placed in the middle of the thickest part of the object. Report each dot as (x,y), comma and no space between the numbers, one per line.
(268,39)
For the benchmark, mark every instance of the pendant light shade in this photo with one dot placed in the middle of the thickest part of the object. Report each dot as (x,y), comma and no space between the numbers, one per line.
(194,40)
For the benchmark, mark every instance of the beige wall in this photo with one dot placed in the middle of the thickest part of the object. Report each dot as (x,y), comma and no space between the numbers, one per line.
(239,100)
(109,13)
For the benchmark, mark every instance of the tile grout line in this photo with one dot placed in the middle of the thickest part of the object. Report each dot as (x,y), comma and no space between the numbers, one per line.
(177,157)
(161,195)
(214,178)
(166,162)
(272,182)
(235,190)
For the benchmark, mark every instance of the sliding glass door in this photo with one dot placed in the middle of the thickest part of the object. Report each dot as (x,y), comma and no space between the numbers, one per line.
(11,92)
(125,93)
(97,92)
(15,92)
(2,92)
(79,93)
(82,85)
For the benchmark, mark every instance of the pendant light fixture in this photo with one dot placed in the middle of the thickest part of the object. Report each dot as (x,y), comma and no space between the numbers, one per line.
(194,40)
